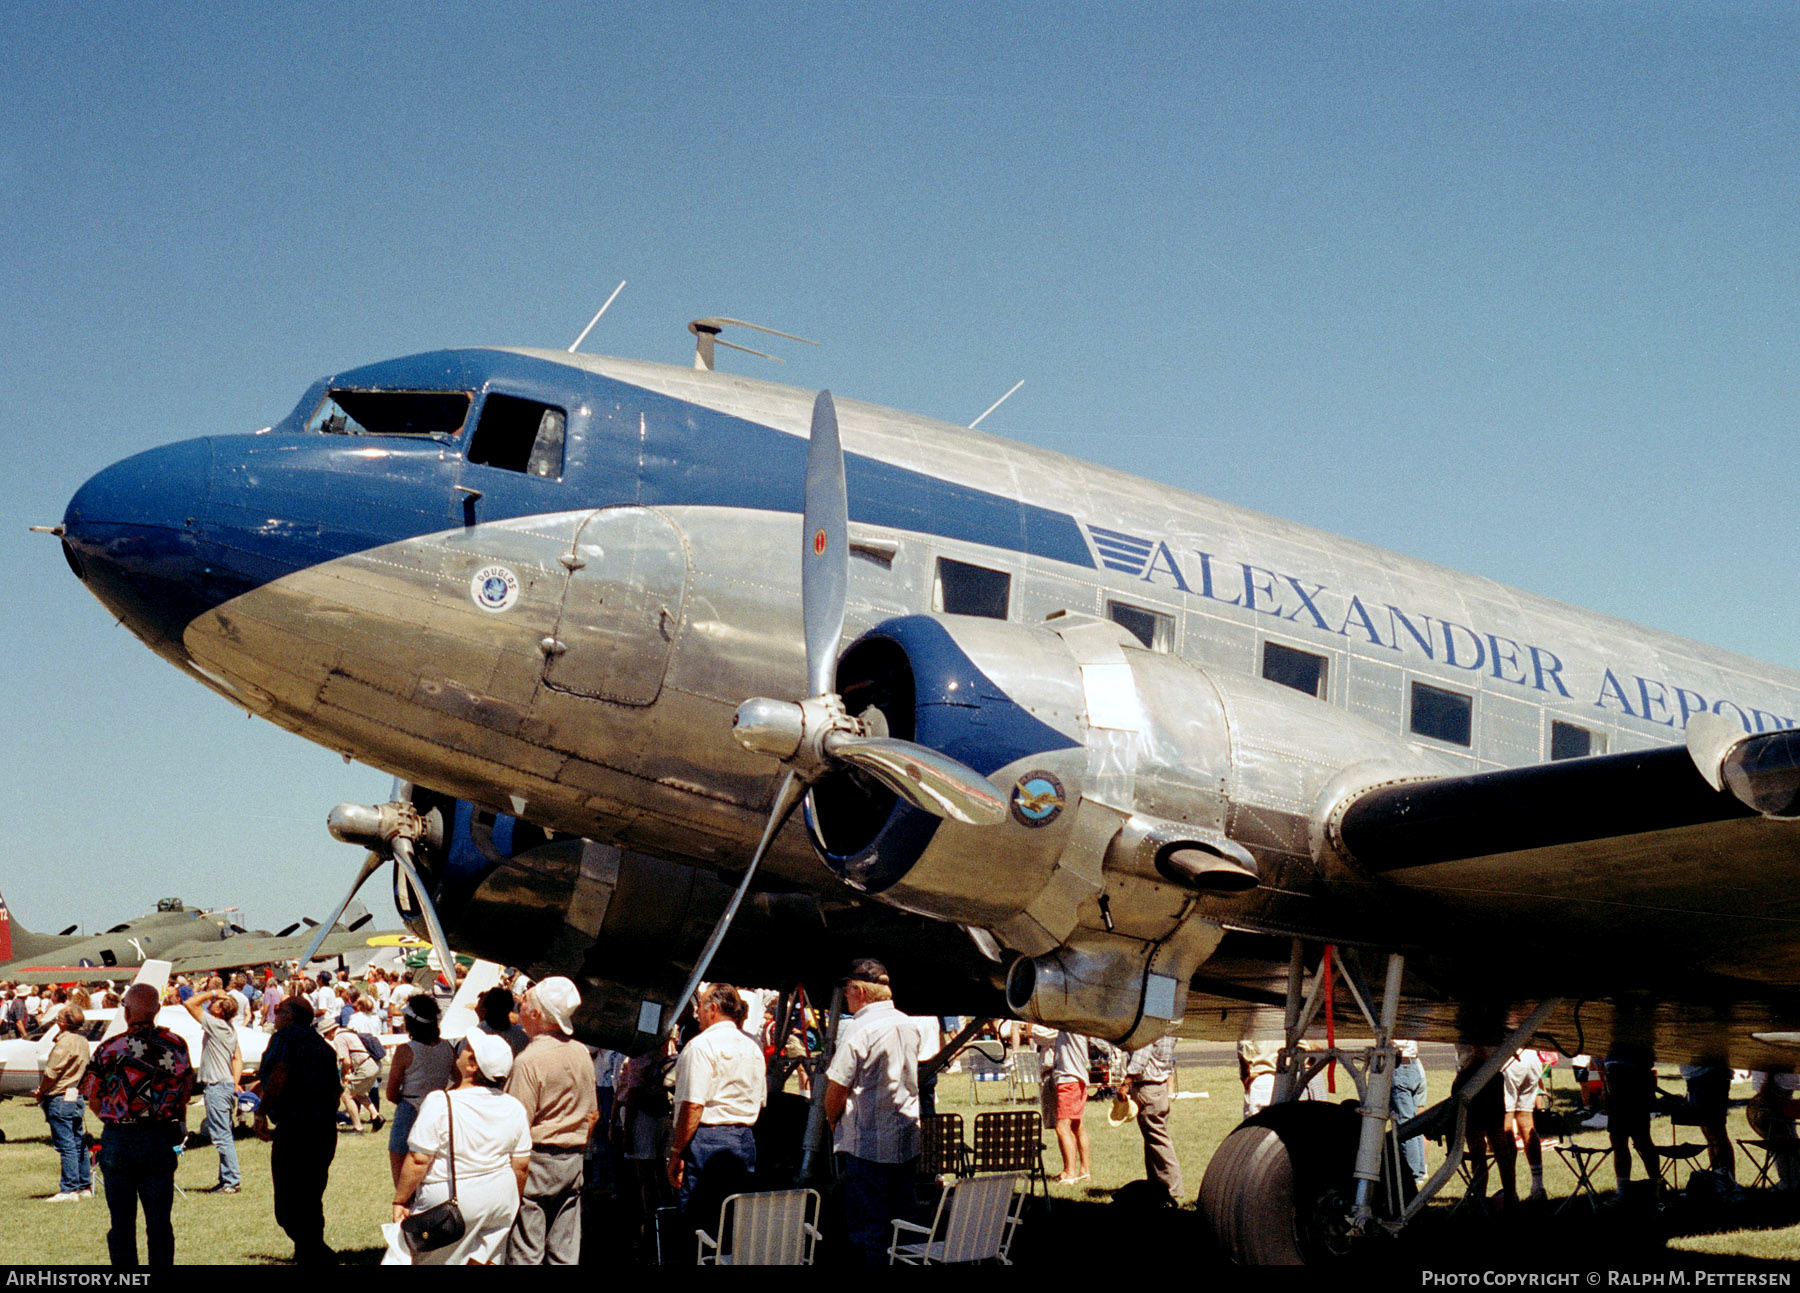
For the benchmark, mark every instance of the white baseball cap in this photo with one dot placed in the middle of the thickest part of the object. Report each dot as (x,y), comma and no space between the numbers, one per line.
(559,999)
(492,1055)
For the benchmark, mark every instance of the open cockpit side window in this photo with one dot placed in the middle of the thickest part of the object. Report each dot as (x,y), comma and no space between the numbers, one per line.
(408,413)
(520,435)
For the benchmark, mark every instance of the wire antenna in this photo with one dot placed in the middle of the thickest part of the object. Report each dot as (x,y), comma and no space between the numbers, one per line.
(576,344)
(997,403)
(706,336)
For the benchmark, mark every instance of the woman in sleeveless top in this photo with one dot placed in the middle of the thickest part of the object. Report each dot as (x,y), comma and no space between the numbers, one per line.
(422,1064)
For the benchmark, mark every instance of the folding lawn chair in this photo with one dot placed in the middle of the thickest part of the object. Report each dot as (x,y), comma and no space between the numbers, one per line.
(774,1228)
(1010,1140)
(975,1221)
(941,1148)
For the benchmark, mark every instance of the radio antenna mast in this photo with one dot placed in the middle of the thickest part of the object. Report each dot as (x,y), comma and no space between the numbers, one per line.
(576,344)
(997,403)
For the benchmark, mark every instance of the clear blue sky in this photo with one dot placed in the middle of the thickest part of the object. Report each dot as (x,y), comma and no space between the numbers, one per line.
(1511,287)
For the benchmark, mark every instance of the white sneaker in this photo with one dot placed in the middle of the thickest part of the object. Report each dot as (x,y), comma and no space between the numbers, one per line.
(87,1193)
(64,1197)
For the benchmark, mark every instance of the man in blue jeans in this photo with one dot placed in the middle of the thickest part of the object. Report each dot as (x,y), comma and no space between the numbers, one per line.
(721,1084)
(1408,1098)
(221,1074)
(59,1092)
(872,1103)
(139,1084)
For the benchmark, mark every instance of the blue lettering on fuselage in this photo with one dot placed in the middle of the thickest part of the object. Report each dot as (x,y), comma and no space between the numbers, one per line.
(1312,605)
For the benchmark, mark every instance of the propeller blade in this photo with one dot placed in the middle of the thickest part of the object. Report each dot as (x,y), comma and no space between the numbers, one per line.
(285,930)
(922,777)
(403,858)
(785,800)
(825,550)
(370,864)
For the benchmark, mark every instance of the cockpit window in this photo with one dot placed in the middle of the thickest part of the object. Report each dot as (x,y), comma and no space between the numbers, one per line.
(520,435)
(413,413)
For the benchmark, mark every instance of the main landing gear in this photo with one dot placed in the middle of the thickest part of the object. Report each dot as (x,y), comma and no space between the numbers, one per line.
(1307,1181)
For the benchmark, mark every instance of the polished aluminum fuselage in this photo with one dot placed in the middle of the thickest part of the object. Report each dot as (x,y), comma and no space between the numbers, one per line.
(625,735)
(596,696)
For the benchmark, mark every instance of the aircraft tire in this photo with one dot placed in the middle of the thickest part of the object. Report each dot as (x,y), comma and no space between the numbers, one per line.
(1277,1192)
(2,1137)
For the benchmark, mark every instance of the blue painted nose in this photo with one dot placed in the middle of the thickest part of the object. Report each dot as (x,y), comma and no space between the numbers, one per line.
(134,535)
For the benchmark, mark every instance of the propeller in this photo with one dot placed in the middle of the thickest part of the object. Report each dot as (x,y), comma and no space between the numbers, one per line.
(816,736)
(371,863)
(388,831)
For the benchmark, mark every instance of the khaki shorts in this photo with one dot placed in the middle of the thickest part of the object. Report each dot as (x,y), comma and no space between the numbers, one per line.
(1519,1081)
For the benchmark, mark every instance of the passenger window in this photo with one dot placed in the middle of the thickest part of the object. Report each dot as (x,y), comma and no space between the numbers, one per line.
(1301,670)
(1567,741)
(963,589)
(520,435)
(412,413)
(1155,630)
(1442,715)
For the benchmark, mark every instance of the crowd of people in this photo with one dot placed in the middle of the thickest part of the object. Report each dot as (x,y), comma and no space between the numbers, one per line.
(514,1120)
(1618,1095)
(519,1081)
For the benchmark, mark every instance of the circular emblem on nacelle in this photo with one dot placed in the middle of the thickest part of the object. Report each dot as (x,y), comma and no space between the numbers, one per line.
(1037,799)
(494,588)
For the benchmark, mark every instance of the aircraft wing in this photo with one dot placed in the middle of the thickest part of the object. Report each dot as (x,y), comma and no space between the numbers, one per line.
(251,949)
(1685,856)
(45,974)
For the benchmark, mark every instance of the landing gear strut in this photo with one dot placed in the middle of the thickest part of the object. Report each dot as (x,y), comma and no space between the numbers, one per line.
(1304,1182)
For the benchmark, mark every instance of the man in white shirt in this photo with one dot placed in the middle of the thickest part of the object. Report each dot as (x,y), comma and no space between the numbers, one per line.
(931,1041)
(324,1002)
(872,1103)
(721,1082)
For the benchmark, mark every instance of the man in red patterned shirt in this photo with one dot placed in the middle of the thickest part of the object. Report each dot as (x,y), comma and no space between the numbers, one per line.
(139,1084)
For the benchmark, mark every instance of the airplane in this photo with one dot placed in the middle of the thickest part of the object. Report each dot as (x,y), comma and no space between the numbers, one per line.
(1065,744)
(194,941)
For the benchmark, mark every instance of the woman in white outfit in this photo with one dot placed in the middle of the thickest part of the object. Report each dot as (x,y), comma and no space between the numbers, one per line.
(492,1135)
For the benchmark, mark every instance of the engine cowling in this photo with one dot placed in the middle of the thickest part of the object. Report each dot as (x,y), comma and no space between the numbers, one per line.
(1130,775)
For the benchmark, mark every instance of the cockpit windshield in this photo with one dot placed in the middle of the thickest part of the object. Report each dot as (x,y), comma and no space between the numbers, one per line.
(409,413)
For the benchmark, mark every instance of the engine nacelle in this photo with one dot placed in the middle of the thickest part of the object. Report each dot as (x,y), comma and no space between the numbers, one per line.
(1142,789)
(623,925)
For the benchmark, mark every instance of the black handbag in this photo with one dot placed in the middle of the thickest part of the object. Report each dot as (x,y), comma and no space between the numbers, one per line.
(441,1225)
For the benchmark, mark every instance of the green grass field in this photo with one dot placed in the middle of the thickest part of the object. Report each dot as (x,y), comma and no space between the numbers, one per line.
(209,1228)
(1082,1224)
